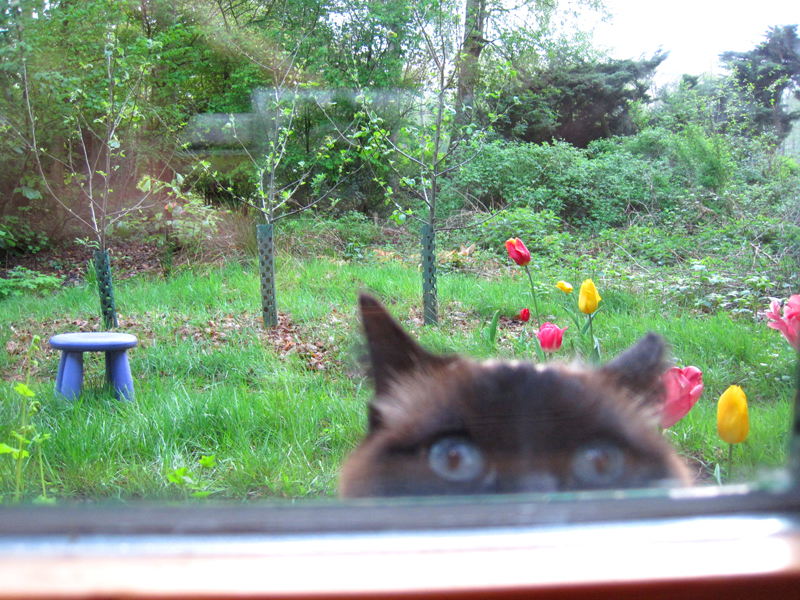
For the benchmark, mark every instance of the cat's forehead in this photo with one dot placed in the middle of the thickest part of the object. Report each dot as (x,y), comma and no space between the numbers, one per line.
(462,392)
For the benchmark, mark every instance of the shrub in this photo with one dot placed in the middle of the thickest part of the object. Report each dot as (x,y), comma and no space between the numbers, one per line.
(24,281)
(18,237)
(347,236)
(541,231)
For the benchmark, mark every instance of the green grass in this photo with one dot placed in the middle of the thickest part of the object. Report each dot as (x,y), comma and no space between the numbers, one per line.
(280,410)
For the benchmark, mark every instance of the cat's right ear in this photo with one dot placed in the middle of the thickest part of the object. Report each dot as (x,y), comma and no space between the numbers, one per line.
(640,367)
(392,352)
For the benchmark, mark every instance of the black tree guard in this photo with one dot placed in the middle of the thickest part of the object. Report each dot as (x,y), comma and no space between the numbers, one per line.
(430,301)
(106,289)
(266,260)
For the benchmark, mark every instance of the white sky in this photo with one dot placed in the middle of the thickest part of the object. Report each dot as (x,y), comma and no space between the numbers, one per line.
(694,31)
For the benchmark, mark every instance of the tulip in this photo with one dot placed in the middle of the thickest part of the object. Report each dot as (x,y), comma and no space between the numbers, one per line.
(564,287)
(733,424)
(550,337)
(589,298)
(518,252)
(524,315)
(789,324)
(684,387)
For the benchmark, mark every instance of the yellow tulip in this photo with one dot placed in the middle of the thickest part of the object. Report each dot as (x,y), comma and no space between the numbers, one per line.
(733,424)
(564,287)
(589,298)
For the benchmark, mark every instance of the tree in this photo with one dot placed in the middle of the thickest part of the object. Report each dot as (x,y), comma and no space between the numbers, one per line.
(427,143)
(579,102)
(766,73)
(524,27)
(79,146)
(280,45)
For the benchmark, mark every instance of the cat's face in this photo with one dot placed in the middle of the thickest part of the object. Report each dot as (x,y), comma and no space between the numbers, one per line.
(449,425)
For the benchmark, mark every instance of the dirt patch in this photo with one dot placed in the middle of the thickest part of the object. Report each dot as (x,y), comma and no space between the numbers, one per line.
(70,261)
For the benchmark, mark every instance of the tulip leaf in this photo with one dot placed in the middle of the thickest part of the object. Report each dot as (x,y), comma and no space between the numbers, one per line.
(595,357)
(586,325)
(538,349)
(490,333)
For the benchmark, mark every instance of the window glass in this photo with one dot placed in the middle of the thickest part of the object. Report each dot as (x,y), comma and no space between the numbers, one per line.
(371,249)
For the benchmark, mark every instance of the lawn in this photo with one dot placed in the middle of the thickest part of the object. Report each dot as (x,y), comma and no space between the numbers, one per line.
(227,410)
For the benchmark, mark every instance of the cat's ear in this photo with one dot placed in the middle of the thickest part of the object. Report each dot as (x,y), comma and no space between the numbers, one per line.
(640,367)
(392,352)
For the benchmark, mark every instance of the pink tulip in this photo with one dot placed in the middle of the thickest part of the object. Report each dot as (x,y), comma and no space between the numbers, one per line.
(524,315)
(789,324)
(684,387)
(550,337)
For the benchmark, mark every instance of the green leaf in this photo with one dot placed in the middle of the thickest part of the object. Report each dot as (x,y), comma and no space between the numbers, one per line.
(18,436)
(180,476)
(490,332)
(208,462)
(200,494)
(6,449)
(23,390)
(585,327)
(538,349)
(30,193)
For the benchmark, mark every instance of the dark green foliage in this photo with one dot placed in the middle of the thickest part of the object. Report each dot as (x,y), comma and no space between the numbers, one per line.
(17,236)
(578,103)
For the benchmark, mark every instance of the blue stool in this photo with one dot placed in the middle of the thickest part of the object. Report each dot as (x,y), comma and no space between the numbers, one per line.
(69,380)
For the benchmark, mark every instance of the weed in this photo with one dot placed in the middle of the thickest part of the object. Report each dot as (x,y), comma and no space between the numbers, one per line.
(26,435)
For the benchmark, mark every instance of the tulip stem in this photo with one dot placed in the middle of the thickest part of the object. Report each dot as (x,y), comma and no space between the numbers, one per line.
(533,293)
(730,459)
(594,356)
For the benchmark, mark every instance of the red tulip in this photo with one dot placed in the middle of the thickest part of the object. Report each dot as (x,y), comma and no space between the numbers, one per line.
(524,315)
(550,337)
(518,252)
(684,387)
(789,324)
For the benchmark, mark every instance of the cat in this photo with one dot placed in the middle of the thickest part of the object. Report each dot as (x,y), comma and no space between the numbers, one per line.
(445,424)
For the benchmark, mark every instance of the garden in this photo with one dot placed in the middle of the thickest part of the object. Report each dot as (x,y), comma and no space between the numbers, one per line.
(239,215)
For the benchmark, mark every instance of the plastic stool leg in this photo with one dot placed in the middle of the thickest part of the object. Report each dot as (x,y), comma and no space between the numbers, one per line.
(70,375)
(118,372)
(60,374)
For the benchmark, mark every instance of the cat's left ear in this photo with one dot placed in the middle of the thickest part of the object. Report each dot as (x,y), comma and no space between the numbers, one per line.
(640,367)
(392,352)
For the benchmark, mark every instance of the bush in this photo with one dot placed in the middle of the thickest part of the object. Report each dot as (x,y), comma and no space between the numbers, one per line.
(18,237)
(540,231)
(347,236)
(601,186)
(24,281)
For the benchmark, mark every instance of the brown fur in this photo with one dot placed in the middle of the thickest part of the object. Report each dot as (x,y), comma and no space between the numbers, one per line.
(450,425)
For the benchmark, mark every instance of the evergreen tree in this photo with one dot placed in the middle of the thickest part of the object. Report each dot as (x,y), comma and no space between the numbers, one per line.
(766,73)
(580,102)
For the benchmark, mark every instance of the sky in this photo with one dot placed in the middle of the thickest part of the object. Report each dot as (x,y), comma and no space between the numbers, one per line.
(694,31)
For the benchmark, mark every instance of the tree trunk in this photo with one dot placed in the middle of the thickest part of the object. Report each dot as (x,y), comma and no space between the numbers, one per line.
(474,43)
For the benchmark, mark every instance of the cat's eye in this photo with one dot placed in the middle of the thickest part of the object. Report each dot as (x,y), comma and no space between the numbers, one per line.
(598,464)
(456,458)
